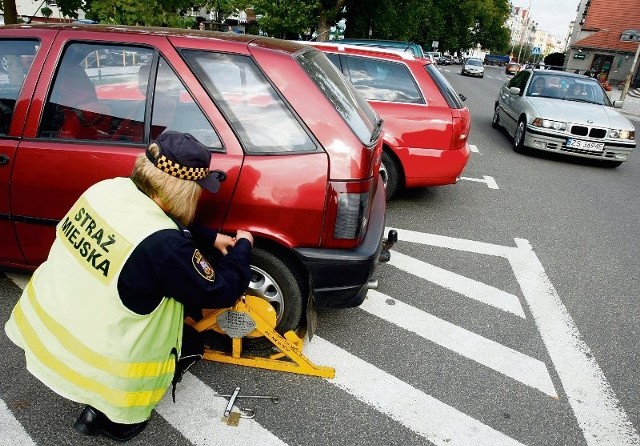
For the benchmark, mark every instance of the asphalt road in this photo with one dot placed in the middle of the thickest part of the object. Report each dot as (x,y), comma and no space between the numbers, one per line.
(507,316)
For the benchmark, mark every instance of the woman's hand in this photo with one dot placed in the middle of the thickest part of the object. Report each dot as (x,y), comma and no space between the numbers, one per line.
(223,243)
(244,234)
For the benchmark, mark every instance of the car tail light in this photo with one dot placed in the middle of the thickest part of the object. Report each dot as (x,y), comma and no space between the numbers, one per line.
(347,213)
(460,133)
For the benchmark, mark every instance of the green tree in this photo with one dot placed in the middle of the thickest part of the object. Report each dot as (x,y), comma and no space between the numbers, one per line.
(328,12)
(554,59)
(456,24)
(10,12)
(134,12)
(46,11)
(283,18)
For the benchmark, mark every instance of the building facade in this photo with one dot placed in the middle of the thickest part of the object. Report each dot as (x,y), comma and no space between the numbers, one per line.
(597,44)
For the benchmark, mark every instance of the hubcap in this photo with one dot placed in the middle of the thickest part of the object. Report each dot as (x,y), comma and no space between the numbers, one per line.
(265,287)
(384,174)
(519,133)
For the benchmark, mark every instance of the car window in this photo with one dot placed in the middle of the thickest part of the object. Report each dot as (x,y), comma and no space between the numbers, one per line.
(16,57)
(519,81)
(381,80)
(175,109)
(335,59)
(252,106)
(102,91)
(352,106)
(444,86)
(476,62)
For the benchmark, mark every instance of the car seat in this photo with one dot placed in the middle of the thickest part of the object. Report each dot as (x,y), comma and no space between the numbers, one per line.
(79,113)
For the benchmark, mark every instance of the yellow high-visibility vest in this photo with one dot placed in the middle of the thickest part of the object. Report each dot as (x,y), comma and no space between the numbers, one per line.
(78,337)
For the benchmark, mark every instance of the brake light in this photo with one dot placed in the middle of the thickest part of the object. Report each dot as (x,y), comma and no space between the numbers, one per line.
(347,213)
(460,133)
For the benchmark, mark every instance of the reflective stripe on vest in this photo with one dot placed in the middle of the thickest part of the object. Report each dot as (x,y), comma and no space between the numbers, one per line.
(108,365)
(113,396)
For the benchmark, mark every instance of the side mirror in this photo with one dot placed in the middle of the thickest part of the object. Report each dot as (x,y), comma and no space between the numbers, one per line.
(462,97)
(618,104)
(514,90)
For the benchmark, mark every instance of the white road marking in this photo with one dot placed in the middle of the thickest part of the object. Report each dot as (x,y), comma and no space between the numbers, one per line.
(489,181)
(12,431)
(425,415)
(197,414)
(474,148)
(473,289)
(509,362)
(459,244)
(597,409)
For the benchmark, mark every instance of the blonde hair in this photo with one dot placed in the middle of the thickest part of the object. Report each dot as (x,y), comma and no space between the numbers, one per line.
(179,197)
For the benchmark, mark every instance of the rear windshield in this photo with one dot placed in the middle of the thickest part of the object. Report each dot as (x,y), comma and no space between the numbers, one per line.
(351,105)
(444,86)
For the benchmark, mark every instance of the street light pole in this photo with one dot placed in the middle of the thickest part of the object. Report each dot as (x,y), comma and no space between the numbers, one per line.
(627,82)
(526,30)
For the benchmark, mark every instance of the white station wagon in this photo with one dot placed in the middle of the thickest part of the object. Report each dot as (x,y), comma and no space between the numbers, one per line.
(556,111)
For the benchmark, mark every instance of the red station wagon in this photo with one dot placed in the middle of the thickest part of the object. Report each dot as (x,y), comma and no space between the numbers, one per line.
(426,127)
(301,149)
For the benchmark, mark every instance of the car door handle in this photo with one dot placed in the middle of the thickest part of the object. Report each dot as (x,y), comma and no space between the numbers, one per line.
(4,159)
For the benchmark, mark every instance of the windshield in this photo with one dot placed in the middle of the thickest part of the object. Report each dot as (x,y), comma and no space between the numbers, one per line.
(568,88)
(476,62)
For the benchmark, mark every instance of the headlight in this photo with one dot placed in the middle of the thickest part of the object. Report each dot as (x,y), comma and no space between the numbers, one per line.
(549,124)
(622,134)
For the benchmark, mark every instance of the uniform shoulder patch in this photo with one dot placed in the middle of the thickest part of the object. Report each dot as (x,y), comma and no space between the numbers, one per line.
(203,266)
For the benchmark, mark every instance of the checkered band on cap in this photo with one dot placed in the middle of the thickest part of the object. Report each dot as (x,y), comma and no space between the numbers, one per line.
(176,170)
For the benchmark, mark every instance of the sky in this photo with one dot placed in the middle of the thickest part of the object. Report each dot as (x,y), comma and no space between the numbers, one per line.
(552,15)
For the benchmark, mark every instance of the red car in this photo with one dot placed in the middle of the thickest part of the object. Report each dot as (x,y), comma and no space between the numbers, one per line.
(426,126)
(300,148)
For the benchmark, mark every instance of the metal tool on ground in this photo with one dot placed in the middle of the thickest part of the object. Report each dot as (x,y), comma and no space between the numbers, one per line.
(233,418)
(274,399)
(252,316)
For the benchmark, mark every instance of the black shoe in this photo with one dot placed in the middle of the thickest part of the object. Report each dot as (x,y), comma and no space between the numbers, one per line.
(94,422)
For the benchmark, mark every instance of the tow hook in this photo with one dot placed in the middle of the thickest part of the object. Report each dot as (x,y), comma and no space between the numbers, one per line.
(387,244)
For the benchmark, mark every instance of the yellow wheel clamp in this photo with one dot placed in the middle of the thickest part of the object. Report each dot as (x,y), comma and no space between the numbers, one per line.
(252,316)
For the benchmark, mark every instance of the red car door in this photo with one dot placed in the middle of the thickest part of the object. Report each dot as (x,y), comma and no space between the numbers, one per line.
(23,55)
(56,161)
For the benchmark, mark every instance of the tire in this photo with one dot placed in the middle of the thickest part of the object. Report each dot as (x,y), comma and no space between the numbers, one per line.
(275,281)
(495,121)
(518,138)
(390,175)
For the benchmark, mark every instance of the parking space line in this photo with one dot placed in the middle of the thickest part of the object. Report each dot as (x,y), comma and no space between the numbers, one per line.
(597,409)
(439,423)
(459,244)
(490,181)
(498,357)
(12,431)
(458,283)
(195,402)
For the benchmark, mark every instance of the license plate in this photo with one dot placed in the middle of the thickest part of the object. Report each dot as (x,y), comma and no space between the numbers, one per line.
(585,145)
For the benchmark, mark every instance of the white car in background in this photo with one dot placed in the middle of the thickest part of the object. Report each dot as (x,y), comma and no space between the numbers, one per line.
(563,112)
(473,67)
